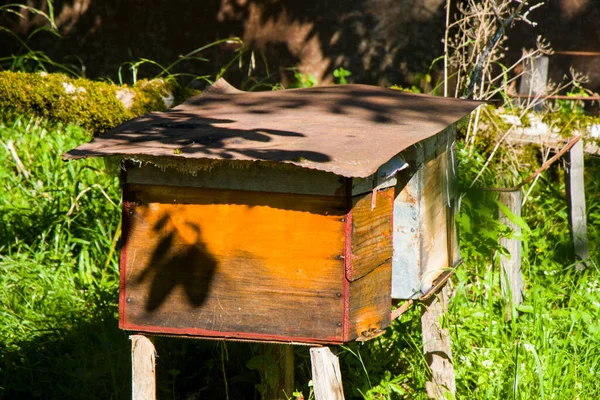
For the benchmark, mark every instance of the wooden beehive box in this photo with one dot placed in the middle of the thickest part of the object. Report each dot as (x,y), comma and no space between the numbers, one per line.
(290,216)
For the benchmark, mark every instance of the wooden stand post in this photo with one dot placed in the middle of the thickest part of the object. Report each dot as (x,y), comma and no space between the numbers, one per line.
(576,197)
(511,278)
(326,375)
(278,379)
(143,372)
(436,347)
(286,366)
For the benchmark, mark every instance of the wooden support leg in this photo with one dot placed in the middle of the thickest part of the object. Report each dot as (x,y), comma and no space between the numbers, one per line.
(278,376)
(576,197)
(286,366)
(143,376)
(436,347)
(511,279)
(326,375)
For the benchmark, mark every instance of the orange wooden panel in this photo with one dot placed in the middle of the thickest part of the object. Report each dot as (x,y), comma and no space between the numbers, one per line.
(370,303)
(371,233)
(226,263)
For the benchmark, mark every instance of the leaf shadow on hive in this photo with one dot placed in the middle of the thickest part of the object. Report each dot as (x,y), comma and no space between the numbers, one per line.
(190,134)
(175,262)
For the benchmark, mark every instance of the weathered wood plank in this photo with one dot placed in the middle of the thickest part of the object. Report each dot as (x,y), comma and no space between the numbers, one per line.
(143,364)
(433,221)
(326,375)
(254,176)
(534,79)
(371,235)
(437,347)
(425,241)
(234,264)
(512,277)
(370,303)
(576,197)
(453,200)
(246,176)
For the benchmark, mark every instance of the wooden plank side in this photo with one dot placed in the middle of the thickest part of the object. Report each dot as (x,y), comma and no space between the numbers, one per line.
(370,303)
(371,236)
(433,221)
(326,375)
(424,206)
(234,264)
(258,178)
(453,197)
(250,176)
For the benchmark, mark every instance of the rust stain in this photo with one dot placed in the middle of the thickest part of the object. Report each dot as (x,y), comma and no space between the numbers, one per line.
(410,198)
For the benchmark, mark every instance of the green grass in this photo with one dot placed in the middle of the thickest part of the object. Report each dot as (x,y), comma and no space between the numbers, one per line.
(59,285)
(58,278)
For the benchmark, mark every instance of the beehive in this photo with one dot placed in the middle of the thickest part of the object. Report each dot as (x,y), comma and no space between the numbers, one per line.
(290,216)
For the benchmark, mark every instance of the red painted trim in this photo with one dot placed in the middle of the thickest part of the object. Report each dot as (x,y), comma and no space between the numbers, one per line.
(347,261)
(127,204)
(346,322)
(197,332)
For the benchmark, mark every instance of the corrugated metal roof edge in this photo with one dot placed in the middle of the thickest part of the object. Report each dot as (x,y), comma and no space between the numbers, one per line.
(192,165)
(222,87)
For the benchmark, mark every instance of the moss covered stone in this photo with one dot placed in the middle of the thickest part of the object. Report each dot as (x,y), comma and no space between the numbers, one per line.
(96,106)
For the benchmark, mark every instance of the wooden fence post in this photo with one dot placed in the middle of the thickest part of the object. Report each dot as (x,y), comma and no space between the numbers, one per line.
(326,375)
(511,278)
(576,197)
(143,371)
(436,347)
(534,80)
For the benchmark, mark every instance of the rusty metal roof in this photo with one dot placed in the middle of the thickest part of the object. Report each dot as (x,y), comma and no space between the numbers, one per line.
(349,130)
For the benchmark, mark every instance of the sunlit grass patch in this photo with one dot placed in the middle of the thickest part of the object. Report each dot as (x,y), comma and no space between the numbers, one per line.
(59,243)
